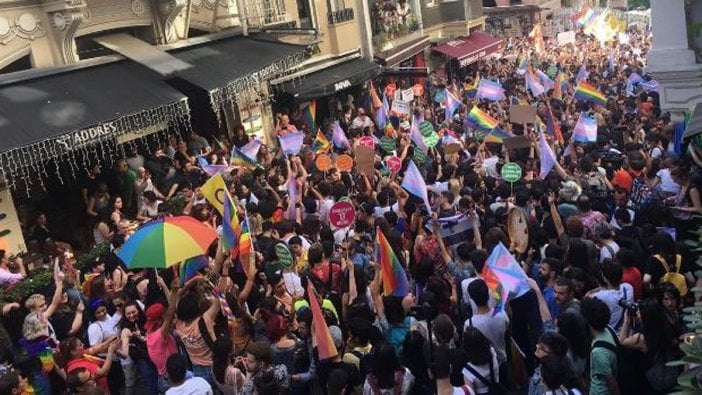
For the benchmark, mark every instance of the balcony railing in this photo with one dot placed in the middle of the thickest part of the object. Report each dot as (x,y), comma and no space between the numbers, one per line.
(340,16)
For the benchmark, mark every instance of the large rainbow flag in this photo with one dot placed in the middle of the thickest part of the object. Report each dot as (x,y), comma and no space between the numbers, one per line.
(588,92)
(321,143)
(497,135)
(391,271)
(321,337)
(479,119)
(310,114)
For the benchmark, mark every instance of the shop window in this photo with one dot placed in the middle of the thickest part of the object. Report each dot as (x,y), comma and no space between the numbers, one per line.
(23,63)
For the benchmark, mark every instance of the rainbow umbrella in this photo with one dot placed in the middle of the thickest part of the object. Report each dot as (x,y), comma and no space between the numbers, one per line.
(165,242)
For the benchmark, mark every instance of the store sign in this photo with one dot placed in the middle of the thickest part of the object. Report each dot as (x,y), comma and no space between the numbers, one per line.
(84,137)
(471,59)
(342,85)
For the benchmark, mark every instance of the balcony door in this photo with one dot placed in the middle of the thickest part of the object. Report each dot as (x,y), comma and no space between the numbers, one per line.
(304,12)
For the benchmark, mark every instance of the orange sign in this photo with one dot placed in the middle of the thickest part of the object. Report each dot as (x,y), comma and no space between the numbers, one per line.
(323,162)
(344,163)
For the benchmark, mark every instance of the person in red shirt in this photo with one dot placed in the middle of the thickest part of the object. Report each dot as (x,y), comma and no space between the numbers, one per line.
(631,274)
(77,358)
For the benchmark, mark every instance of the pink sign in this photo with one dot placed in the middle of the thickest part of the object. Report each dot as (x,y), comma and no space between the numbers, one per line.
(342,214)
(394,164)
(367,141)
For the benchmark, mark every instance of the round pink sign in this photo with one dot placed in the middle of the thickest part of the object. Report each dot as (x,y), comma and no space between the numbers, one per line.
(394,164)
(342,214)
(367,141)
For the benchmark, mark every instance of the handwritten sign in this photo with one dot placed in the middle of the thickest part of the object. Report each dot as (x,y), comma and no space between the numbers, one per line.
(408,95)
(342,214)
(393,164)
(400,107)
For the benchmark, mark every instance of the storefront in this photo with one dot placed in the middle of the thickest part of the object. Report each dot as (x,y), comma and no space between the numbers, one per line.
(228,85)
(328,83)
(456,57)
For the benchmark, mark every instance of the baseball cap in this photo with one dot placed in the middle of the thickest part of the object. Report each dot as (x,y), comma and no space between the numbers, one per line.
(153,314)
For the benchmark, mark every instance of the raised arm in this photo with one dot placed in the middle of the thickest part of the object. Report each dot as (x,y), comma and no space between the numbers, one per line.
(58,280)
(557,222)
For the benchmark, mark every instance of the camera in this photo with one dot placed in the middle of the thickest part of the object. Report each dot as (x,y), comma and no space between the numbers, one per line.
(629,307)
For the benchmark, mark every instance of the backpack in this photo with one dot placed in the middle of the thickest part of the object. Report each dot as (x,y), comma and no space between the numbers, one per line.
(675,278)
(364,362)
(494,387)
(615,348)
(641,194)
(396,334)
(594,186)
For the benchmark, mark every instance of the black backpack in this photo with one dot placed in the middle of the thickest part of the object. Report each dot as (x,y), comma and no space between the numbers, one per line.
(364,364)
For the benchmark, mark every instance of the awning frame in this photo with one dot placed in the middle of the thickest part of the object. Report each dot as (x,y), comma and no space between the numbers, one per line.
(396,55)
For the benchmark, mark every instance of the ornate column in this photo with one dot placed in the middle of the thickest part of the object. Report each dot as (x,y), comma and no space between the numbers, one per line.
(165,13)
(65,16)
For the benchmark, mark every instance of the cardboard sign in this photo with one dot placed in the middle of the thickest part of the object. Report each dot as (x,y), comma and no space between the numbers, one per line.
(394,164)
(566,38)
(408,95)
(517,142)
(365,158)
(344,163)
(342,214)
(400,107)
(323,162)
(522,114)
(367,141)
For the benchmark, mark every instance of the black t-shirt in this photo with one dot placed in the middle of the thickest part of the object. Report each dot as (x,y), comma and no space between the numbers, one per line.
(62,322)
(326,367)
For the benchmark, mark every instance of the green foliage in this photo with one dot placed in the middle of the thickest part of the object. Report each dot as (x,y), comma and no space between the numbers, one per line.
(84,260)
(39,283)
(175,205)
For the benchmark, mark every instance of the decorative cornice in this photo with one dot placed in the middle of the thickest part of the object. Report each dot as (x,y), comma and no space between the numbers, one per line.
(168,11)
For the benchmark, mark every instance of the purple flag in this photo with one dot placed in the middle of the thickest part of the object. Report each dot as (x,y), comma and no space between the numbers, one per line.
(291,144)
(490,90)
(582,75)
(547,159)
(339,137)
(251,148)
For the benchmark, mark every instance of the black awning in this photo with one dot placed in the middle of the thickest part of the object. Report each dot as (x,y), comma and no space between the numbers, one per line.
(227,67)
(49,116)
(395,56)
(332,79)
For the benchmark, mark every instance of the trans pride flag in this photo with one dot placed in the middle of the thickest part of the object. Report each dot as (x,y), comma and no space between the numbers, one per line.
(582,75)
(339,137)
(251,148)
(414,183)
(391,271)
(547,158)
(211,170)
(291,144)
(452,104)
(503,275)
(490,90)
(585,130)
(533,84)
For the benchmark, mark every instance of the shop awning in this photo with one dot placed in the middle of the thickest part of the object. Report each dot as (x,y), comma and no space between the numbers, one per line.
(45,115)
(695,126)
(332,79)
(392,57)
(470,49)
(230,66)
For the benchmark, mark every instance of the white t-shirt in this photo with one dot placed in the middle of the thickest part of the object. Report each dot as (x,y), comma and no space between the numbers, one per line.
(484,370)
(193,386)
(380,211)
(99,331)
(667,184)
(494,328)
(606,253)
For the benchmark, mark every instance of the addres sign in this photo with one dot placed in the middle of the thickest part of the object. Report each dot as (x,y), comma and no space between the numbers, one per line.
(83,137)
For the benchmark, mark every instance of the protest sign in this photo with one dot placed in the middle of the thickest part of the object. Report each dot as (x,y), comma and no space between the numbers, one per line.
(522,114)
(364,160)
(400,107)
(566,38)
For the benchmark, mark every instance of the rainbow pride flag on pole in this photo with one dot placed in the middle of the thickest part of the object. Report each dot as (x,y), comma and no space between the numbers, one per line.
(238,158)
(309,114)
(585,131)
(189,268)
(321,337)
(497,135)
(414,183)
(321,143)
(588,92)
(391,271)
(479,119)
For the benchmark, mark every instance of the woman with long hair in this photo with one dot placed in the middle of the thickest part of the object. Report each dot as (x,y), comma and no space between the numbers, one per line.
(133,345)
(663,252)
(388,375)
(227,377)
(101,331)
(75,356)
(573,327)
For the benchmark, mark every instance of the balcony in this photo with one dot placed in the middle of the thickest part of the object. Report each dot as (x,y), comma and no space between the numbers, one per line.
(340,16)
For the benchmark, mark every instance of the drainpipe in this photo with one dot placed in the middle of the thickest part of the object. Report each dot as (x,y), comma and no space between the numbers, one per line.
(243,17)
(363,17)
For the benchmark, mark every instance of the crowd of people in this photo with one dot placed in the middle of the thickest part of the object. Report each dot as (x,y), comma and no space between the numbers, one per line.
(608,268)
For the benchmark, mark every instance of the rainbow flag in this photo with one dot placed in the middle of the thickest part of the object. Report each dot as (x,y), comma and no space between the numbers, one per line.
(251,148)
(239,159)
(490,90)
(546,158)
(211,170)
(498,291)
(497,135)
(391,271)
(585,131)
(189,268)
(588,92)
(230,224)
(375,100)
(309,114)
(245,242)
(587,17)
(452,104)
(291,144)
(553,128)
(339,137)
(479,119)
(321,337)
(470,91)
(414,183)
(389,129)
(538,37)
(320,144)
(522,63)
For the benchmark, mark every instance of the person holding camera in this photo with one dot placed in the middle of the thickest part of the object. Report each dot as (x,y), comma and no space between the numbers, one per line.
(6,276)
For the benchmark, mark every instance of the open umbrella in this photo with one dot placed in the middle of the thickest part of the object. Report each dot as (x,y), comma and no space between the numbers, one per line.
(166,241)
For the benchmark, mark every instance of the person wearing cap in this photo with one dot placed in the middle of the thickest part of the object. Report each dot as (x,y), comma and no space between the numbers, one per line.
(160,342)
